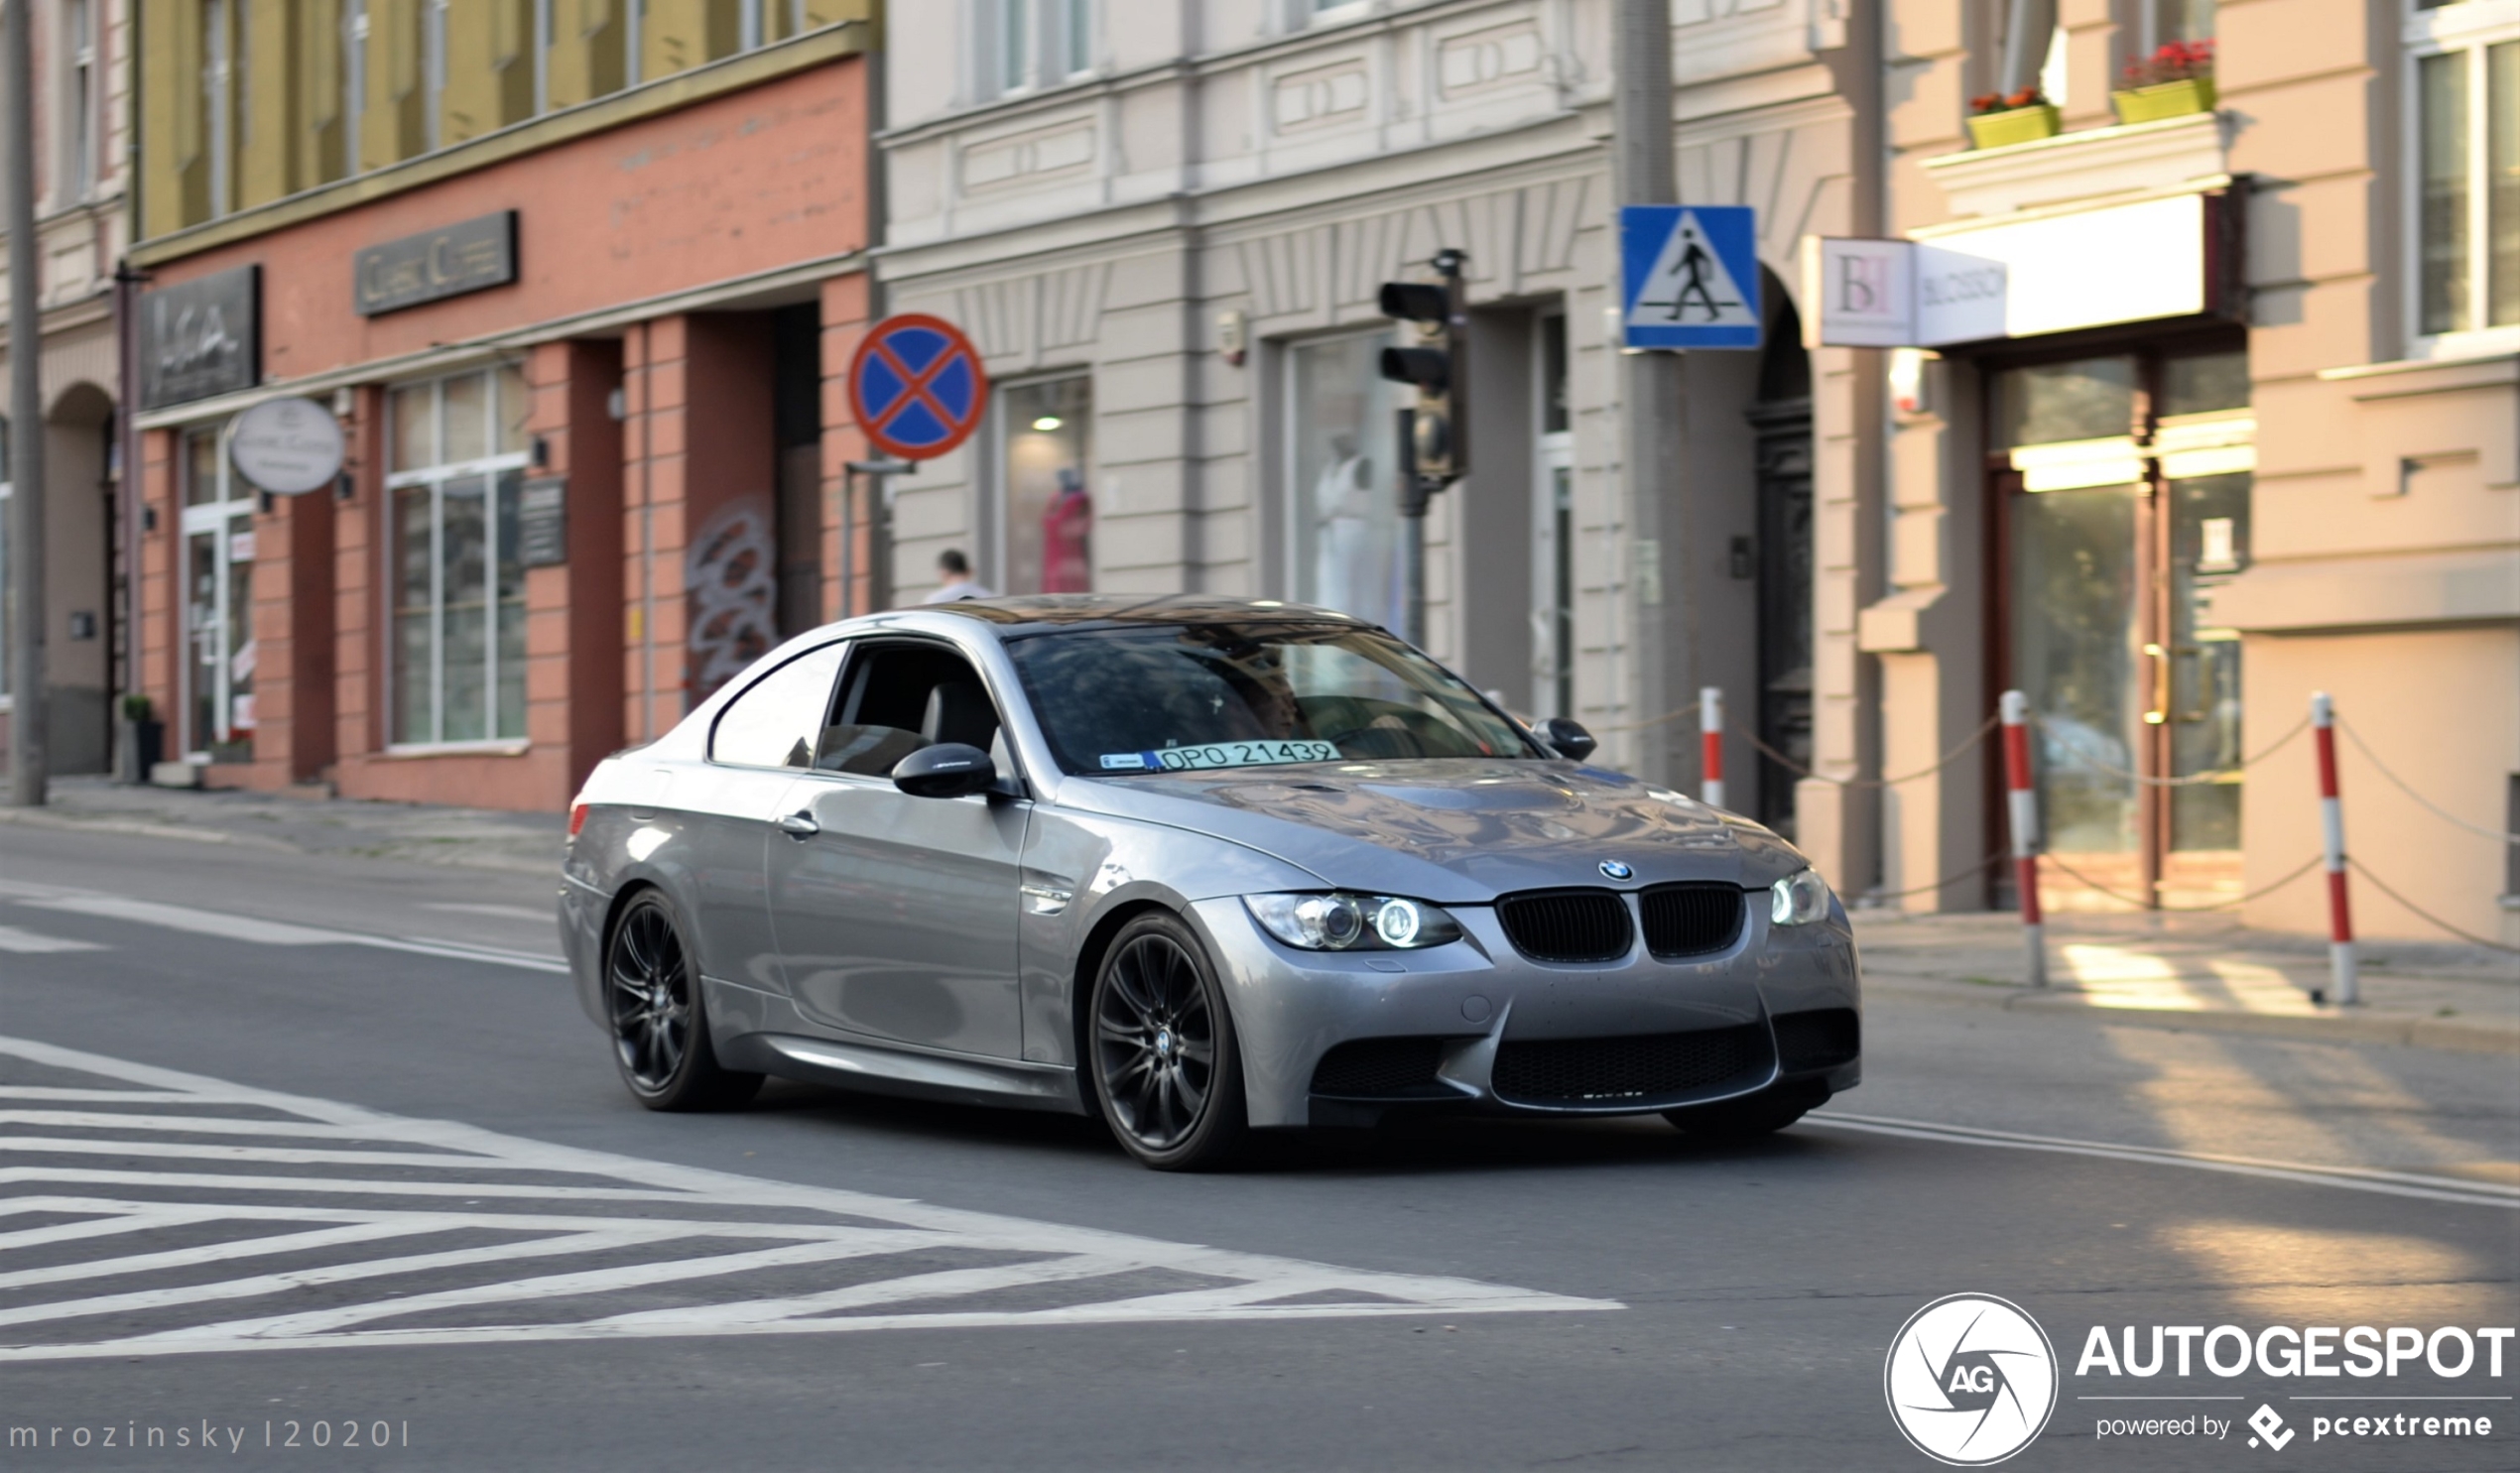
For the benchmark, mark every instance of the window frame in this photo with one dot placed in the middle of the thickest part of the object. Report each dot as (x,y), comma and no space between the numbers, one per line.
(490,468)
(2468,29)
(1056,33)
(838,672)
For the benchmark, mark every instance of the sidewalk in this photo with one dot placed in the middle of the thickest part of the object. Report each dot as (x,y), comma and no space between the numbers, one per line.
(2197,972)
(466,838)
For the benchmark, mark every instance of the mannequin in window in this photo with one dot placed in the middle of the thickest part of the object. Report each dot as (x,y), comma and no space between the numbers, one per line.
(1067,533)
(1343,565)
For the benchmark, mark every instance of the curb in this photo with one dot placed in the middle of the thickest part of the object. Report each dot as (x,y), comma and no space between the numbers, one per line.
(2401,1029)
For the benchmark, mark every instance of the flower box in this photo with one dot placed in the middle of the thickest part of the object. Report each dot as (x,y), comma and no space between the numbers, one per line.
(1995,130)
(2170,99)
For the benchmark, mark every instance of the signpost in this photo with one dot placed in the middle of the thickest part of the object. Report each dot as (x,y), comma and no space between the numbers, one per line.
(286,447)
(1689,276)
(918,388)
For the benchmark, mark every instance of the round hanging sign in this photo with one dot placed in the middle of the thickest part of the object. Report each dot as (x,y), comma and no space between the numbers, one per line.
(917,386)
(286,447)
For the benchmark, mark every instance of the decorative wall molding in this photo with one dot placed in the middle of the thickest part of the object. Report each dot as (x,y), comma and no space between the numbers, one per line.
(1511,235)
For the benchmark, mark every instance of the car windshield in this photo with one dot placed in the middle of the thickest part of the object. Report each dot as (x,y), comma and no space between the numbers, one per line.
(1173,697)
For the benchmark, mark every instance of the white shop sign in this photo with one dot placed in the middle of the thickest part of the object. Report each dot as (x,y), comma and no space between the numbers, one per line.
(2021,277)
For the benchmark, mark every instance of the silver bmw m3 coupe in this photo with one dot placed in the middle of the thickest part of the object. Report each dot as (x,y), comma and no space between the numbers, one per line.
(1197,866)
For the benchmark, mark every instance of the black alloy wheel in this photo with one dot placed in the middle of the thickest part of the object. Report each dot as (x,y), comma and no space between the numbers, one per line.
(1167,1073)
(660,1036)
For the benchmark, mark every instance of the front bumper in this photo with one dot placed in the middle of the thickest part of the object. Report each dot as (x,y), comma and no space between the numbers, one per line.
(1461,1009)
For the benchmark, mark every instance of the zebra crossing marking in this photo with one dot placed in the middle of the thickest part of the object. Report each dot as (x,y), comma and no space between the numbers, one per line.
(654,1249)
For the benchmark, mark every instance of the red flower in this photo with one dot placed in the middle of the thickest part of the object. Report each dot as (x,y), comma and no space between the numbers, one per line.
(1985,102)
(2026,97)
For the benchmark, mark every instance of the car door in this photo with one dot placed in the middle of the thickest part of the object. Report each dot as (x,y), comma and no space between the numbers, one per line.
(895,917)
(730,807)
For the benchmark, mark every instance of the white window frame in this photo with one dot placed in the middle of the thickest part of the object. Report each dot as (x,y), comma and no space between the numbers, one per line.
(218,73)
(214,518)
(1552,458)
(490,468)
(1055,34)
(79,111)
(2471,27)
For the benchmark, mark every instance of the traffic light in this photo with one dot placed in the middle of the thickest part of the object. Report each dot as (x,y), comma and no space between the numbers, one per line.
(1437,366)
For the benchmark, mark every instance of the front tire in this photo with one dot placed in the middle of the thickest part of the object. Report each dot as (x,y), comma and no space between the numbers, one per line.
(1167,1071)
(654,1004)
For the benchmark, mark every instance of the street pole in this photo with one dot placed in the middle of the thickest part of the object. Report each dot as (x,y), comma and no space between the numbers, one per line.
(1412,523)
(28,767)
(1655,440)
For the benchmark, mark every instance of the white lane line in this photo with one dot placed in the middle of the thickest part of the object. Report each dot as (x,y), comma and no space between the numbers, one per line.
(862,1242)
(2350,1179)
(469,908)
(205,1253)
(130,1218)
(33,943)
(186,918)
(203,1124)
(308,1155)
(133,1096)
(268,1283)
(256,931)
(940,1284)
(816,1225)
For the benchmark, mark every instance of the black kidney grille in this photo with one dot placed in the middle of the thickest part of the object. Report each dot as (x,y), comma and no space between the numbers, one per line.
(1375,1068)
(1566,924)
(1820,1038)
(1644,1066)
(1691,919)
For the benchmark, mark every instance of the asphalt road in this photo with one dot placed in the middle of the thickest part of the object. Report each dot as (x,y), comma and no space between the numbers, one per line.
(314,1143)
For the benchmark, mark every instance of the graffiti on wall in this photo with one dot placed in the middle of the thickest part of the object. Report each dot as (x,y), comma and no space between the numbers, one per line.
(733,580)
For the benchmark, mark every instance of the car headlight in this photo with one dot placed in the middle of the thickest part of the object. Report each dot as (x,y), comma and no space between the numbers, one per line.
(1352,922)
(1799,899)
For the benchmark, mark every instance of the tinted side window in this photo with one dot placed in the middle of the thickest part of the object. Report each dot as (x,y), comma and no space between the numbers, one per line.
(899,698)
(775,722)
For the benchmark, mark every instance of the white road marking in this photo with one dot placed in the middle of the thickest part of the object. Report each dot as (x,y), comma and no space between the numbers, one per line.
(2351,1178)
(33,943)
(467,908)
(249,928)
(671,1213)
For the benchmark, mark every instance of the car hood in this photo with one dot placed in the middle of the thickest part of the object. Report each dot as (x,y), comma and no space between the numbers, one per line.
(1452,831)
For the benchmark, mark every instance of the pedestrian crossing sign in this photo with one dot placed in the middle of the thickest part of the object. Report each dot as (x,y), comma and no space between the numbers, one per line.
(1690,276)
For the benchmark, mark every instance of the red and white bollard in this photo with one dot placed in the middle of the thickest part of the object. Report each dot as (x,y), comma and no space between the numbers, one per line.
(1710,745)
(2021,801)
(2341,962)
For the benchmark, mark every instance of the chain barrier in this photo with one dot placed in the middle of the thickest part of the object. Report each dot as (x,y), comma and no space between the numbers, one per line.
(2308,865)
(2192,780)
(2469,937)
(2435,809)
(1978,868)
(1800,771)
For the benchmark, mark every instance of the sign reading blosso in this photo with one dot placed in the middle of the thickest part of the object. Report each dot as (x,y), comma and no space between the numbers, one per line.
(201,338)
(1899,293)
(286,447)
(469,256)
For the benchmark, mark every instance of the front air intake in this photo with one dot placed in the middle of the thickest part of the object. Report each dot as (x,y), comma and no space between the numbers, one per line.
(1636,1069)
(1566,926)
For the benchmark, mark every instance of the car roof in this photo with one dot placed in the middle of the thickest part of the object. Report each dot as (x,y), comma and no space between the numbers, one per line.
(1016,616)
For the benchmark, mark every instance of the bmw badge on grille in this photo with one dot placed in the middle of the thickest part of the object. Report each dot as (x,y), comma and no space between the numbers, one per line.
(1617,871)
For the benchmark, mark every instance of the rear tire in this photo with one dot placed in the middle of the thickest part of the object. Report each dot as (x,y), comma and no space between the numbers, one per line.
(1746,1119)
(1167,1071)
(656,1011)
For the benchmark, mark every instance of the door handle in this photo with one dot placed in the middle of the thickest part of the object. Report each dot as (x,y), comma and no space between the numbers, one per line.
(799,825)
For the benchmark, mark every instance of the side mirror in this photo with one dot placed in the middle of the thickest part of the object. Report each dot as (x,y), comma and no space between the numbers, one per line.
(945,770)
(1569,737)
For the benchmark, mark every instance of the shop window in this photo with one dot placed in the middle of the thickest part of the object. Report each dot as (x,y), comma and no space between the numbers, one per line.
(1044,465)
(1345,545)
(2465,120)
(2085,398)
(454,586)
(2202,382)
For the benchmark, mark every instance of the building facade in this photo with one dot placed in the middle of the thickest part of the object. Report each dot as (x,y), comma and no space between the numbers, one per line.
(574,279)
(2252,432)
(1166,227)
(2244,427)
(83,52)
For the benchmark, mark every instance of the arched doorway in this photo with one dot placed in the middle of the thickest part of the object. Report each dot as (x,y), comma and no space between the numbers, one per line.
(1781,425)
(82,630)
